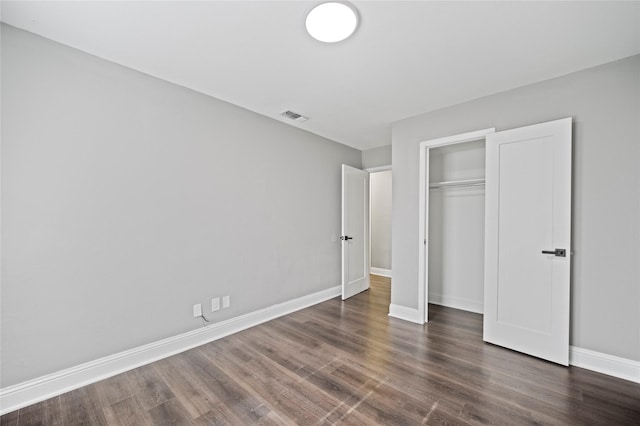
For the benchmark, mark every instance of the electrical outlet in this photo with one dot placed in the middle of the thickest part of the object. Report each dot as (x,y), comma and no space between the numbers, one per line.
(226,302)
(197,310)
(215,304)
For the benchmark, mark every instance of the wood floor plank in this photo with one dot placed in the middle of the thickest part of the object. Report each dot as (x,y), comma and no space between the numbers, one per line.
(168,413)
(242,403)
(10,419)
(186,385)
(149,388)
(81,407)
(218,415)
(43,413)
(112,390)
(348,363)
(127,412)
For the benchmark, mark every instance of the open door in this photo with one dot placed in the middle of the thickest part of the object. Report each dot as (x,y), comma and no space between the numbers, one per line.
(528,239)
(355,231)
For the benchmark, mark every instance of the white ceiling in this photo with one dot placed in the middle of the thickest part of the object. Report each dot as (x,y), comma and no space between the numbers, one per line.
(405,59)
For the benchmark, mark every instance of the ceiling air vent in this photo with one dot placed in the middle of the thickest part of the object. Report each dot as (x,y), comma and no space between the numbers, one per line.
(294,116)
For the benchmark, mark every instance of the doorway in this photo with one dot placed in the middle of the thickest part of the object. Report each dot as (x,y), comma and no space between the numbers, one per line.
(358,212)
(424,205)
(456,192)
(380,200)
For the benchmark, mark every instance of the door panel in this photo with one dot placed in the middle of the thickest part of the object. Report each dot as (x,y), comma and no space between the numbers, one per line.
(355,227)
(355,231)
(526,176)
(528,210)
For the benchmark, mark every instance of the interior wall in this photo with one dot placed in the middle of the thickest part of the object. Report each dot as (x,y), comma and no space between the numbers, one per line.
(127,199)
(380,184)
(456,227)
(376,157)
(604,102)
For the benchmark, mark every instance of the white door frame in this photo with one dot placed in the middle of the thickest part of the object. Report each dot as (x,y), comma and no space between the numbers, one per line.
(374,170)
(378,169)
(423,225)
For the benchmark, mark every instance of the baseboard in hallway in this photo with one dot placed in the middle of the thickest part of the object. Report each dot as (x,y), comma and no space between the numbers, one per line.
(380,271)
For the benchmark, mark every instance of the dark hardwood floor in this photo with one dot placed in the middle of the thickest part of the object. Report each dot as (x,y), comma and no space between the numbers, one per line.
(348,363)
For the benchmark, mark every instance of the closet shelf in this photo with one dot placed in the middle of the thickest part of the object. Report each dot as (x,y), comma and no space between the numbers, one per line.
(456,183)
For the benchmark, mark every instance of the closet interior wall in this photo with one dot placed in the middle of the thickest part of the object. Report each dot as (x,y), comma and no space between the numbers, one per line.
(456,226)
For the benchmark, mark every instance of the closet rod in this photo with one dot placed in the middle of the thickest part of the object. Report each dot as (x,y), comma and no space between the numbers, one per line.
(457,183)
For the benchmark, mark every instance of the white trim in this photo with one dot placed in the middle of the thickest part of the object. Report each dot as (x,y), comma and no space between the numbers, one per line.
(606,364)
(41,388)
(462,303)
(381,271)
(404,313)
(378,169)
(423,207)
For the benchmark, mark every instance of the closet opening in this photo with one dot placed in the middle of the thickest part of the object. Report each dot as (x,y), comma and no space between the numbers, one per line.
(456,226)
(452,172)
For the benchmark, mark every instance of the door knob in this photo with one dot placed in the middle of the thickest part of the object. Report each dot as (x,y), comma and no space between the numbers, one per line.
(346,238)
(556,252)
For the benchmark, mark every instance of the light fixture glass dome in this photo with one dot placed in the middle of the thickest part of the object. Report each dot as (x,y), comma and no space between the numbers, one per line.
(331,22)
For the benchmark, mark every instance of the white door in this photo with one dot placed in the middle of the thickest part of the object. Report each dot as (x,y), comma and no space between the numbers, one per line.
(528,239)
(355,231)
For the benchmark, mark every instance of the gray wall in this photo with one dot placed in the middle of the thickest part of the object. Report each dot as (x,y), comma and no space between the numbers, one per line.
(376,157)
(127,199)
(605,104)
(380,183)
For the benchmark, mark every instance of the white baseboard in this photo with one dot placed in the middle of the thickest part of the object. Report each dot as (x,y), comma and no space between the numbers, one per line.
(404,313)
(45,387)
(36,390)
(457,302)
(606,364)
(380,271)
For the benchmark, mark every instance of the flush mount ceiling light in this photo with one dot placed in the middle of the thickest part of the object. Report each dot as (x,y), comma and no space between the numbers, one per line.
(331,22)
